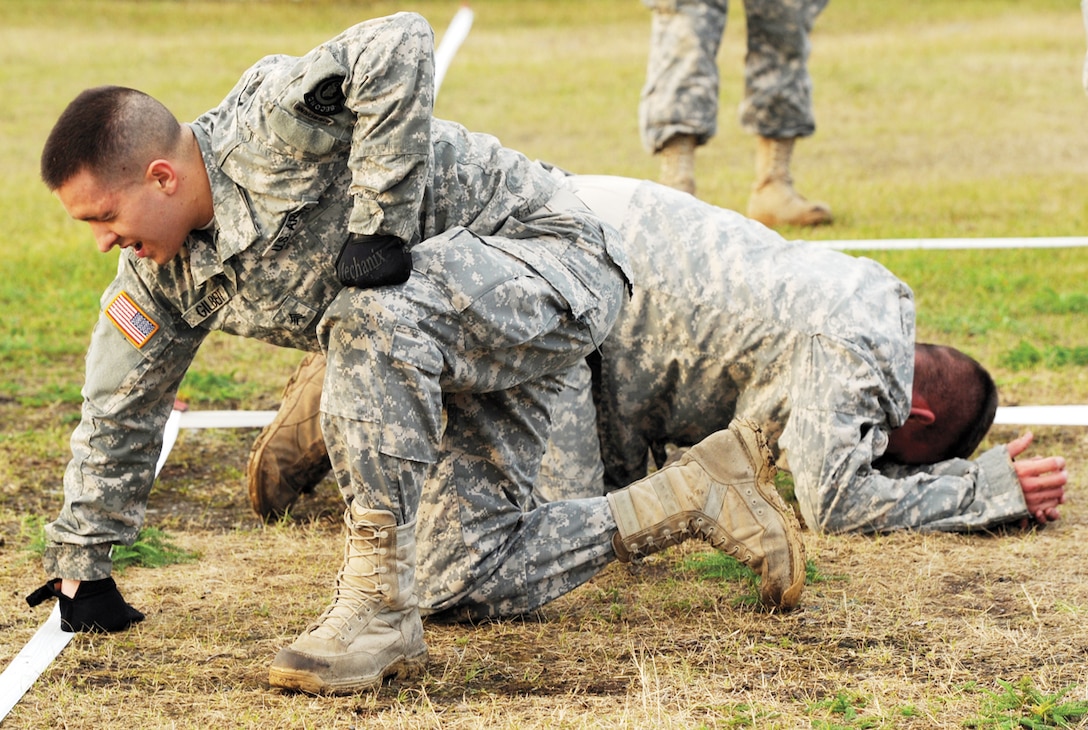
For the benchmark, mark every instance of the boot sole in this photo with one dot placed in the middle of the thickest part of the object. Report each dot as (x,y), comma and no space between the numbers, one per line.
(253,482)
(752,441)
(298,680)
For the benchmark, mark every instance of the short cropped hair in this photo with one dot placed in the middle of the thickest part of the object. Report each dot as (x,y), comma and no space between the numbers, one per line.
(112,131)
(963,397)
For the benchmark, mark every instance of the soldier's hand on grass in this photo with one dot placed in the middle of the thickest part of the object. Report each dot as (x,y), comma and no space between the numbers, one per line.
(90,605)
(1042,479)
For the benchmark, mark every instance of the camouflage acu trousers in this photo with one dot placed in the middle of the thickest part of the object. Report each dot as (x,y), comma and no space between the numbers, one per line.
(456,371)
(680,95)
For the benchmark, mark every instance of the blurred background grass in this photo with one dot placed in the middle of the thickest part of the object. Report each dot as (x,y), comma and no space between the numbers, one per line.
(936,118)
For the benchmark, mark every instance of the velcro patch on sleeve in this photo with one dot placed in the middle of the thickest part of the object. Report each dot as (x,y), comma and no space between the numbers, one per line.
(131,320)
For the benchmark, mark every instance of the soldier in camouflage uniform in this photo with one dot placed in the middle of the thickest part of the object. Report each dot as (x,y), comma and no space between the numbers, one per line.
(678,110)
(817,346)
(730,320)
(450,282)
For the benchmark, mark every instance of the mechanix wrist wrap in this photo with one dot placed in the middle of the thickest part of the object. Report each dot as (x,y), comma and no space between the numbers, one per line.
(371,261)
(97,606)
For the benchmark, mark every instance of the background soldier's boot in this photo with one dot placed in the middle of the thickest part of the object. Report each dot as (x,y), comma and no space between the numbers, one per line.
(289,457)
(678,163)
(723,491)
(774,201)
(372,630)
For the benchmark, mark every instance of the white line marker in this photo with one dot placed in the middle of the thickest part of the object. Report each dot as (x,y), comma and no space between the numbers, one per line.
(1043,415)
(891,244)
(38,653)
(1024,415)
(451,40)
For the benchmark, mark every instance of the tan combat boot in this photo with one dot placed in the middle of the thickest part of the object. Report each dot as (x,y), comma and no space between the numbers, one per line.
(723,491)
(773,201)
(289,457)
(372,630)
(678,163)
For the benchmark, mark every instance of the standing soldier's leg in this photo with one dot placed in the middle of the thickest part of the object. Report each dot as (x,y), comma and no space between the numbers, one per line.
(678,109)
(777,106)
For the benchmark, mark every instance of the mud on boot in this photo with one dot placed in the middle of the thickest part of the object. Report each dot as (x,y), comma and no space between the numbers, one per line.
(372,630)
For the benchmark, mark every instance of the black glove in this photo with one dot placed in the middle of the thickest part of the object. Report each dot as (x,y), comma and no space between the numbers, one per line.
(370,261)
(97,606)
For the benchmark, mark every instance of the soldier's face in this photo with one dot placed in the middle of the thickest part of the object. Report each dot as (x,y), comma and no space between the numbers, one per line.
(139,214)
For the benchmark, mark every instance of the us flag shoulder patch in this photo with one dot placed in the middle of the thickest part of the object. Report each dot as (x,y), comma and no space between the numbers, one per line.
(131,320)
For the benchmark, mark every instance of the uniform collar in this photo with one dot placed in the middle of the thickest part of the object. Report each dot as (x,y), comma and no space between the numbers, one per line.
(234,230)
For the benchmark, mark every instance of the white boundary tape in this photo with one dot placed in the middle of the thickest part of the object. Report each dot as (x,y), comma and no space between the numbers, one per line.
(451,40)
(1006,415)
(48,641)
(225,419)
(1042,416)
(892,244)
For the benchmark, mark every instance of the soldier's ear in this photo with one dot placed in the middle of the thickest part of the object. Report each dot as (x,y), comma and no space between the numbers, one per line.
(162,175)
(920,412)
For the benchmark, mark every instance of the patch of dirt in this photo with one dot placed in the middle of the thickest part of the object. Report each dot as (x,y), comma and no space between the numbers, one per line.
(916,626)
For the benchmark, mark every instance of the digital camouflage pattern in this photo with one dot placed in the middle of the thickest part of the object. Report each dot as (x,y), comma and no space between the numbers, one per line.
(680,95)
(728,320)
(514,283)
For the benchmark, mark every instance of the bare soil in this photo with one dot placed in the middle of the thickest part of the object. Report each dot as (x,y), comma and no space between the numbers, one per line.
(903,630)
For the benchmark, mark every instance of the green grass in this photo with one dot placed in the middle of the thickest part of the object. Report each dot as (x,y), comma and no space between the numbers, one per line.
(1023,705)
(153,548)
(941,119)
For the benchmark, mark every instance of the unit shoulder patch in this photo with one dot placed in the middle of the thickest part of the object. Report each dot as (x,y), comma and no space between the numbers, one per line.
(133,322)
(326,98)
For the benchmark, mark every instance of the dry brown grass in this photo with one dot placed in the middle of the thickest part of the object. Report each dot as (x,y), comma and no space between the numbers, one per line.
(908,628)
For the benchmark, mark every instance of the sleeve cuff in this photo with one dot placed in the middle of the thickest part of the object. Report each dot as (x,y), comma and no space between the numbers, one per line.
(1002,484)
(78,562)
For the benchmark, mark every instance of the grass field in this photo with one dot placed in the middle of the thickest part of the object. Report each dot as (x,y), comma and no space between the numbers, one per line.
(936,118)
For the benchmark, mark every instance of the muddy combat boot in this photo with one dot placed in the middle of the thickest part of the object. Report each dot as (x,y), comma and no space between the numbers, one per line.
(372,630)
(773,201)
(678,163)
(722,490)
(289,457)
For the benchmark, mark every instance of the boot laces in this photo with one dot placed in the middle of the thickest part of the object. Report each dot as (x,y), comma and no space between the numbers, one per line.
(708,531)
(697,526)
(361,584)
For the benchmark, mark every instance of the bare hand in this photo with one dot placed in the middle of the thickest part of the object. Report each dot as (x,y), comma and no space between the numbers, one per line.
(1042,480)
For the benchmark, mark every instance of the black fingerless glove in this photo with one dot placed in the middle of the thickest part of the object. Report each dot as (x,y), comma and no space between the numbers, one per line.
(370,261)
(97,606)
